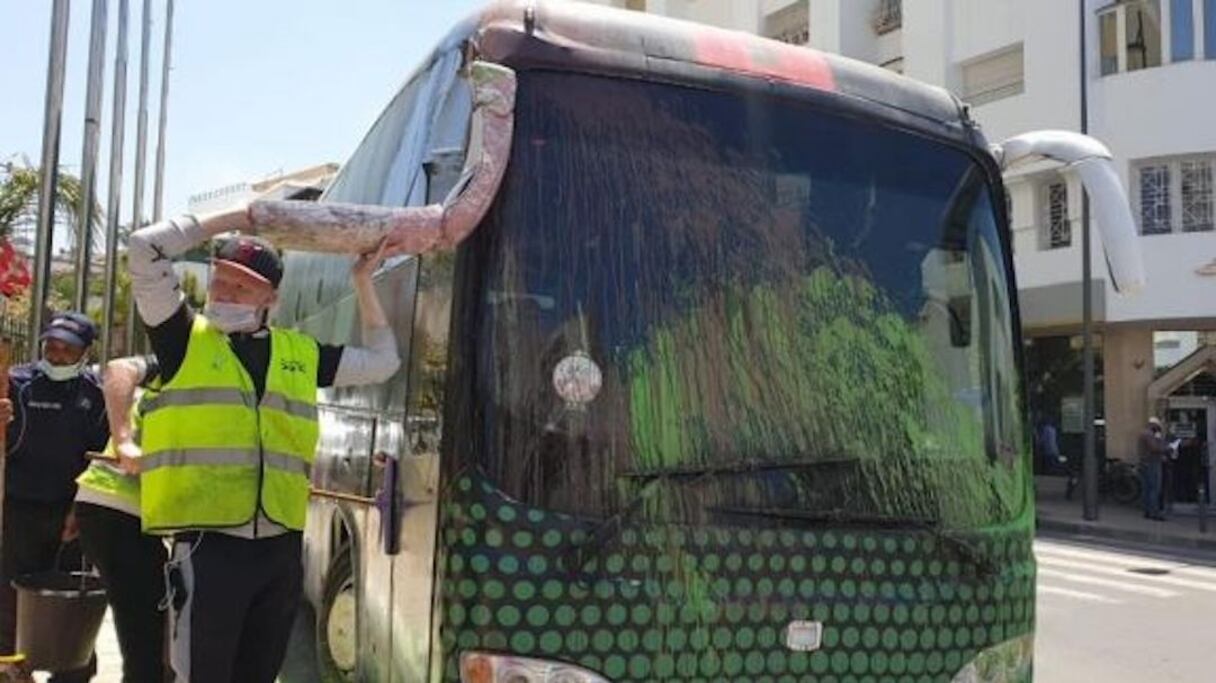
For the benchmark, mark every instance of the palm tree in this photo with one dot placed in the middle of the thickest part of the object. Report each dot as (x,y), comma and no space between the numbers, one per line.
(19,187)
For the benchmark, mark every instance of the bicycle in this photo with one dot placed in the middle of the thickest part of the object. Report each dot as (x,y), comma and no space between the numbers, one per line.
(1118,480)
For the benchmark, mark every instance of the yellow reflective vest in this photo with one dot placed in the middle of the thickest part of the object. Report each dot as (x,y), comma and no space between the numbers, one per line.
(104,483)
(212,454)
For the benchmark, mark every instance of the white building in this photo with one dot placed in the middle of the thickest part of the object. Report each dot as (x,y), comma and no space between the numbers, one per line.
(306,183)
(1150,89)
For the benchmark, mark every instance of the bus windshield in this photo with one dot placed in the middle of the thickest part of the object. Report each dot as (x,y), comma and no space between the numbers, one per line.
(794,314)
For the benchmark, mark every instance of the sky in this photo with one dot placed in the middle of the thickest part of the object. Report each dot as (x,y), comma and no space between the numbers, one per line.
(257,87)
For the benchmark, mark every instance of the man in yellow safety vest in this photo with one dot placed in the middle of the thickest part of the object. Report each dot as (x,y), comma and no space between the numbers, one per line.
(228,443)
(130,562)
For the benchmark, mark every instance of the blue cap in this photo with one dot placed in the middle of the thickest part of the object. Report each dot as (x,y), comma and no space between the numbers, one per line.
(74,328)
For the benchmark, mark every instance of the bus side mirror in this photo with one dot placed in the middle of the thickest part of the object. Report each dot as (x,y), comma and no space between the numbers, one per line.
(1091,161)
(359,229)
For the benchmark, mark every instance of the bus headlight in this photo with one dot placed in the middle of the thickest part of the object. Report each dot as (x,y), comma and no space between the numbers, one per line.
(1007,662)
(483,667)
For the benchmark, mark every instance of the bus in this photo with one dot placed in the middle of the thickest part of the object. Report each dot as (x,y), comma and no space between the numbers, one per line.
(722,381)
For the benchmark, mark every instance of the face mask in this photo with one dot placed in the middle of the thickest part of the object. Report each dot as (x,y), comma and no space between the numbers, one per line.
(230,317)
(60,373)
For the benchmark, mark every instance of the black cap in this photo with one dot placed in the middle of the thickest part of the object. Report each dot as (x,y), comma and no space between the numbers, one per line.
(74,328)
(256,256)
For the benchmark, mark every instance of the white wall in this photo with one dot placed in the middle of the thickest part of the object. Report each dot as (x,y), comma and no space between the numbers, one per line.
(1163,111)
(743,16)
(221,198)
(1051,97)
(929,37)
(1171,347)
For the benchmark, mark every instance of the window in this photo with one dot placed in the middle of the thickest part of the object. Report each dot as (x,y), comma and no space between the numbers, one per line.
(1209,27)
(1139,44)
(1108,27)
(1183,187)
(790,24)
(1057,228)
(1143,33)
(993,77)
(1155,199)
(740,321)
(1182,30)
(1197,196)
(888,16)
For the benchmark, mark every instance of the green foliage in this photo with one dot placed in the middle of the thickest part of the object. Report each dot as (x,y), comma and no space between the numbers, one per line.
(19,189)
(193,290)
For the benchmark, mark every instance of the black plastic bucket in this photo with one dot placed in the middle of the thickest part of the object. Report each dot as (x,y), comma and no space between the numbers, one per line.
(58,616)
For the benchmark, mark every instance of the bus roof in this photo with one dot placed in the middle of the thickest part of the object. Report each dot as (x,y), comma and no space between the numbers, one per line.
(598,39)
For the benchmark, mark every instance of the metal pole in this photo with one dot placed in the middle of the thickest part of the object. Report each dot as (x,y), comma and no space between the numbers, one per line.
(158,193)
(88,157)
(52,117)
(1089,472)
(141,152)
(114,203)
(1203,501)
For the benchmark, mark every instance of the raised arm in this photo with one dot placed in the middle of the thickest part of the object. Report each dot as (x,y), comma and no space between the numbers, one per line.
(122,377)
(153,248)
(377,359)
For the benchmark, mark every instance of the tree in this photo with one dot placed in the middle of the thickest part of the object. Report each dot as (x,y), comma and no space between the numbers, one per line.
(20,185)
(19,188)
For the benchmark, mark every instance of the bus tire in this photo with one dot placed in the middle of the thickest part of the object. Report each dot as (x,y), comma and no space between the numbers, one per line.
(337,622)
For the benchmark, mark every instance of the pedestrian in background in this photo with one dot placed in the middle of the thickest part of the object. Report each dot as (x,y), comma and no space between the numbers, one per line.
(1169,470)
(56,415)
(1152,449)
(1049,446)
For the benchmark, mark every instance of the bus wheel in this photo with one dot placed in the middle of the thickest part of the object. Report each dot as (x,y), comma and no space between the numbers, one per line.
(337,624)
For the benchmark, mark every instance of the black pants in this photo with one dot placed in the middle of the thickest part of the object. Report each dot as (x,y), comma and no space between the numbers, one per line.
(132,568)
(32,544)
(1167,484)
(234,602)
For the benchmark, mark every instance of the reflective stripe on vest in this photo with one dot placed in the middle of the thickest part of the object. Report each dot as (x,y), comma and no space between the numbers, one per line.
(193,397)
(105,484)
(213,455)
(220,456)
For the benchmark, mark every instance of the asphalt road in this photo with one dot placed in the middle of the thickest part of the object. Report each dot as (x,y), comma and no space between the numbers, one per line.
(1120,613)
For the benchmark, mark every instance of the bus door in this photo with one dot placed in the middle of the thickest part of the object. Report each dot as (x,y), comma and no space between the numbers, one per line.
(417,437)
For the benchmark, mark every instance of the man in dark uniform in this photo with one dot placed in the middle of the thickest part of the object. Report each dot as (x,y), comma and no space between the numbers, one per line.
(55,413)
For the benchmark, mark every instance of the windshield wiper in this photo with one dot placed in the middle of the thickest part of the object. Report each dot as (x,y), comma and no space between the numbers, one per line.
(608,529)
(737,468)
(962,549)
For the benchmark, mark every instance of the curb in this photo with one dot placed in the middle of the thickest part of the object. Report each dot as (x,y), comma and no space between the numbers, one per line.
(1098,530)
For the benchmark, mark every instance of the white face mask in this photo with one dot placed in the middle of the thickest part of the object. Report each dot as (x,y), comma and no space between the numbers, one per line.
(230,317)
(60,373)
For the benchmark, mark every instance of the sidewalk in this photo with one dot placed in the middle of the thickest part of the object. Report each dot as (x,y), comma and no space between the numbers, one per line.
(300,666)
(1122,522)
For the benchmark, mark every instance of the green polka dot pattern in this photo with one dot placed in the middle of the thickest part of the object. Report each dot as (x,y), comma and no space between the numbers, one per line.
(713,604)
